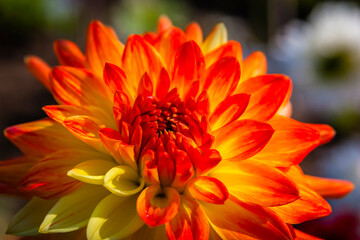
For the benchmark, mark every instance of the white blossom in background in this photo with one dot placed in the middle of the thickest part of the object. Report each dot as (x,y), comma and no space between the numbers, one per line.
(323,55)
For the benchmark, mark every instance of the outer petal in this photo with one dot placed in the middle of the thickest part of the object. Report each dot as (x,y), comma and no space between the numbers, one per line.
(207,189)
(326,132)
(189,66)
(242,139)
(234,219)
(291,142)
(268,92)
(254,65)
(12,170)
(229,110)
(40,138)
(194,32)
(254,182)
(73,211)
(309,206)
(229,49)
(221,80)
(108,221)
(76,86)
(69,54)
(329,188)
(39,69)
(190,223)
(48,178)
(216,38)
(25,222)
(140,57)
(156,206)
(102,46)
(86,128)
(164,23)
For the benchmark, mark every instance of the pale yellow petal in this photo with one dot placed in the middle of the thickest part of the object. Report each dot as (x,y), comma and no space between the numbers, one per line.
(216,38)
(27,221)
(114,218)
(73,211)
(91,171)
(123,181)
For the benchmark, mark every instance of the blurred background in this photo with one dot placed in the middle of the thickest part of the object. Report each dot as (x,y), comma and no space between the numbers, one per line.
(316,43)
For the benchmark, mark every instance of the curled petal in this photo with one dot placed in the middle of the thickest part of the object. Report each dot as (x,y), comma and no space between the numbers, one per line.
(123,181)
(183,170)
(91,171)
(242,139)
(157,206)
(145,86)
(108,221)
(102,46)
(39,69)
(329,188)
(208,189)
(69,54)
(255,182)
(268,93)
(235,219)
(112,140)
(216,38)
(73,211)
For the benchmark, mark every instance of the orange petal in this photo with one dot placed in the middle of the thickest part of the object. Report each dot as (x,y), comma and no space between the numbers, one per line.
(291,142)
(157,206)
(163,85)
(166,168)
(242,139)
(254,65)
(221,80)
(229,49)
(326,132)
(102,46)
(194,32)
(69,54)
(304,236)
(189,224)
(39,69)
(48,178)
(86,128)
(168,42)
(75,86)
(189,66)
(140,57)
(208,189)
(255,182)
(268,92)
(183,170)
(309,206)
(329,188)
(145,86)
(12,170)
(164,23)
(40,138)
(234,219)
(229,110)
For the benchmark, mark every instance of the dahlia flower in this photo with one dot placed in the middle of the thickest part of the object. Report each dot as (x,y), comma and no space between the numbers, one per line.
(166,137)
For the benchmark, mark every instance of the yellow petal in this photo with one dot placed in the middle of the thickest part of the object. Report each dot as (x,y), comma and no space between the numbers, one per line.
(73,211)
(91,171)
(114,218)
(216,38)
(27,221)
(123,181)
